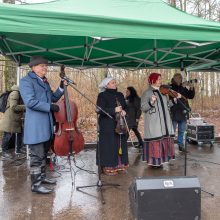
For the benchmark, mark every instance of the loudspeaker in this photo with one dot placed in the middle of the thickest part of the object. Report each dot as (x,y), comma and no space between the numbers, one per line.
(166,198)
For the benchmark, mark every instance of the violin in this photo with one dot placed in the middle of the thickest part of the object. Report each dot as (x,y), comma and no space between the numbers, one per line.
(166,90)
(121,125)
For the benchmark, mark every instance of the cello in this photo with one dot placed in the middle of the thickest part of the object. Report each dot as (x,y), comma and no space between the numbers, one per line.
(68,139)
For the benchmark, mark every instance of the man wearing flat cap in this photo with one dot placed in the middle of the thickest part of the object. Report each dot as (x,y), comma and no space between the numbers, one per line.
(38,126)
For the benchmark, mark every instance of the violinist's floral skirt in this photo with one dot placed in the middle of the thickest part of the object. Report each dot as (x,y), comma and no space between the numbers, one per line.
(112,171)
(158,152)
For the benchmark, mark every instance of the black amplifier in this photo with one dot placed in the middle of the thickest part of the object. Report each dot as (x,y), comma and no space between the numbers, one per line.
(167,198)
(201,133)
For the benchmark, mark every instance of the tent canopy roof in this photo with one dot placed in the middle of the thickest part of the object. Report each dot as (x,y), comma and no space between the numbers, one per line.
(109,33)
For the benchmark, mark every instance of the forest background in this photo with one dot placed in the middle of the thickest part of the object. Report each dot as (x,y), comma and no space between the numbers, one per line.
(206,101)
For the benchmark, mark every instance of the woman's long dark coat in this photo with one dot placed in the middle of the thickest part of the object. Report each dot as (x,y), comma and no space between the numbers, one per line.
(109,141)
(134,112)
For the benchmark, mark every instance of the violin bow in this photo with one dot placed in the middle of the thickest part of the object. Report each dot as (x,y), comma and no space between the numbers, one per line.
(126,124)
(128,131)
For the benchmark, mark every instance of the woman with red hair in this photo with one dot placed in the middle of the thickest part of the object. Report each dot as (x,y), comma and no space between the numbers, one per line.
(158,130)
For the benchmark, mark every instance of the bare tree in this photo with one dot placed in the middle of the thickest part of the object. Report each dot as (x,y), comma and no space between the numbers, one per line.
(9,1)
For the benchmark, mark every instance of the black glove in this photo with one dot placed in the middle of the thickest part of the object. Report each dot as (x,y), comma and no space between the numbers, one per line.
(62,84)
(54,108)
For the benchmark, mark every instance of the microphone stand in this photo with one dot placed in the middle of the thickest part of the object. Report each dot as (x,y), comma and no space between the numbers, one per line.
(99,183)
(71,84)
(187,111)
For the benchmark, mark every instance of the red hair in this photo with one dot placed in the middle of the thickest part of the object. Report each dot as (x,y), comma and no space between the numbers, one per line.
(153,77)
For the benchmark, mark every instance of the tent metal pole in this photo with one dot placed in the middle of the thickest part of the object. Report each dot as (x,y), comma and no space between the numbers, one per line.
(155,51)
(173,59)
(200,44)
(25,52)
(140,60)
(6,43)
(66,60)
(68,48)
(169,51)
(112,64)
(205,51)
(23,43)
(18,70)
(64,54)
(200,58)
(107,51)
(104,58)
(212,52)
(202,66)
(146,59)
(138,52)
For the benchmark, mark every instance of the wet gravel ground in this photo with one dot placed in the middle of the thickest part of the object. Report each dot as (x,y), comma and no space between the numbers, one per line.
(17,202)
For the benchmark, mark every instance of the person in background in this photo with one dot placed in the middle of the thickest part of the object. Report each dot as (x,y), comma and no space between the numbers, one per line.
(158,128)
(133,102)
(179,113)
(11,123)
(38,125)
(112,152)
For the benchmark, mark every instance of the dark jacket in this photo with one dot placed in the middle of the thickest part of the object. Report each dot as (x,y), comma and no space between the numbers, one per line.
(109,141)
(134,112)
(178,111)
(12,118)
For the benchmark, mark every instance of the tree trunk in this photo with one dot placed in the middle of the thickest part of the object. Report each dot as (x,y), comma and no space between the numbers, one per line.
(9,75)
(9,1)
(173,2)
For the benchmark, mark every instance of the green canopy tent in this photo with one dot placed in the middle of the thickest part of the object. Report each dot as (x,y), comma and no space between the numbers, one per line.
(109,33)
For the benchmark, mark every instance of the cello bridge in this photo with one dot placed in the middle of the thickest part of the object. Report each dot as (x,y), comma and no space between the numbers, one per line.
(69,129)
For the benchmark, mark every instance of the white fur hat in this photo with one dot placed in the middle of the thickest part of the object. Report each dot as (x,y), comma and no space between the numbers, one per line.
(104,83)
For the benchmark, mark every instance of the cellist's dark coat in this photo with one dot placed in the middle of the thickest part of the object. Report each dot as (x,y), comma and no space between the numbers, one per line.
(109,141)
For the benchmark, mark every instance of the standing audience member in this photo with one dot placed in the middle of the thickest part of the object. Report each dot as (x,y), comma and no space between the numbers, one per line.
(11,123)
(38,125)
(112,153)
(158,128)
(179,113)
(134,112)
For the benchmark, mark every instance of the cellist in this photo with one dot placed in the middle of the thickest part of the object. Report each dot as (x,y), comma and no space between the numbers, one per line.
(113,154)
(38,126)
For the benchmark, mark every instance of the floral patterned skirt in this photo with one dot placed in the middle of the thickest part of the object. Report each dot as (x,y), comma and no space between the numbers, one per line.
(158,152)
(112,171)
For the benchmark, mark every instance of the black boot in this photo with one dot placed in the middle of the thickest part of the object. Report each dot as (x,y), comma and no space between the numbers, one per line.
(6,155)
(36,185)
(44,179)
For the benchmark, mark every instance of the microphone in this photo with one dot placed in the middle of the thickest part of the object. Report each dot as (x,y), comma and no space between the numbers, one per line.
(68,80)
(98,110)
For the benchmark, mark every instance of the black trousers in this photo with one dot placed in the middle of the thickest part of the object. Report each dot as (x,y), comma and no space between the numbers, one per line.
(138,135)
(38,156)
(7,137)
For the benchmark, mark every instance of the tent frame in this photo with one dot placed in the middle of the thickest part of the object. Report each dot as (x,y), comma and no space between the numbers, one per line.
(162,62)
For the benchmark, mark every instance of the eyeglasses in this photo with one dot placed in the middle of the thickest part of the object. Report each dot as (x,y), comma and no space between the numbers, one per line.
(43,65)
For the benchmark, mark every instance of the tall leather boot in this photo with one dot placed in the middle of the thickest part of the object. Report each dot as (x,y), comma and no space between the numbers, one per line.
(44,179)
(36,185)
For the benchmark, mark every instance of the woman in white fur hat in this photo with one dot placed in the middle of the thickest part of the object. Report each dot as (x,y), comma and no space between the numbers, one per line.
(113,153)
